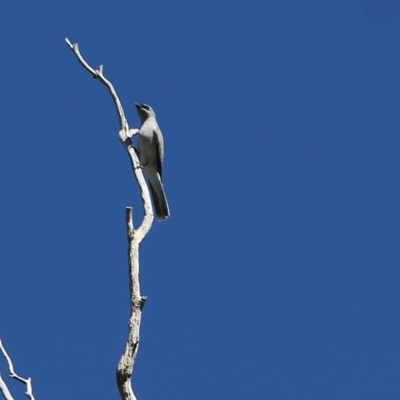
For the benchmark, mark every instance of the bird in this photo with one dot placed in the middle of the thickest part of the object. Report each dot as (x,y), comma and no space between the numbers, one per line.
(151,157)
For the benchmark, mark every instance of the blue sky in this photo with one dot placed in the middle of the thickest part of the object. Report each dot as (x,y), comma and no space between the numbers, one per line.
(277,276)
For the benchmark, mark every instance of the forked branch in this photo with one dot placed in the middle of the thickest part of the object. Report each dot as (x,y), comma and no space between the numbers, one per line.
(135,237)
(124,134)
(27,382)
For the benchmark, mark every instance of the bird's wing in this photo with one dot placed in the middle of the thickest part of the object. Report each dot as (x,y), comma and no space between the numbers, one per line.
(158,137)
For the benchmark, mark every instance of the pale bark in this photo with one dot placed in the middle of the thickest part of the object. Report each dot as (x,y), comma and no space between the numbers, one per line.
(135,237)
(27,382)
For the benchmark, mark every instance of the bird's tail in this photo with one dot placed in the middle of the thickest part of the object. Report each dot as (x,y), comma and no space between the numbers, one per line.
(159,200)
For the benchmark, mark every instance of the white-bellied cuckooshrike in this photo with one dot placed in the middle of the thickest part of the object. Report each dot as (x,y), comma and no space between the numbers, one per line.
(151,156)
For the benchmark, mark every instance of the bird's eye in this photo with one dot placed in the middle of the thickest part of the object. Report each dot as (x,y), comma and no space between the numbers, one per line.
(146,107)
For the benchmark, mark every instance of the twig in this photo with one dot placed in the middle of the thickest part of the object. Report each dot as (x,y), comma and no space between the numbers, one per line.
(27,382)
(98,74)
(135,237)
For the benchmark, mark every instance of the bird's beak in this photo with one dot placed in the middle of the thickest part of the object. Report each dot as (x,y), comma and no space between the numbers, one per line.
(138,105)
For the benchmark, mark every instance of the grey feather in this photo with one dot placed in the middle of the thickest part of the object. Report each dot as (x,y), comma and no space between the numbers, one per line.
(151,156)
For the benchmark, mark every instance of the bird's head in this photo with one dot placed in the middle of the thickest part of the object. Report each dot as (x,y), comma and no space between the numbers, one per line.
(144,111)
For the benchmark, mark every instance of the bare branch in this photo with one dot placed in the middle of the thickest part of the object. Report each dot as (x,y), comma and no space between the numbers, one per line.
(135,237)
(124,135)
(125,365)
(98,74)
(27,382)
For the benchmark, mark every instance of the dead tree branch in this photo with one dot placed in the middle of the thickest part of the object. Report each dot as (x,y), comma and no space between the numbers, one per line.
(135,237)
(27,382)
